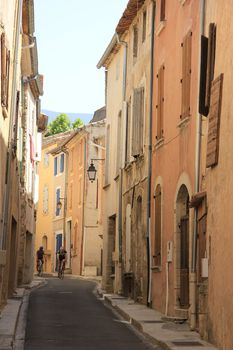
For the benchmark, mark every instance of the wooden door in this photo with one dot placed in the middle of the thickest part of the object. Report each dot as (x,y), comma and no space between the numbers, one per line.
(184,262)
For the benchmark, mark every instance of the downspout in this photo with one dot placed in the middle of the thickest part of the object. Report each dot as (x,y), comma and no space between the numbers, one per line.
(193,318)
(8,180)
(65,197)
(148,229)
(121,162)
(83,204)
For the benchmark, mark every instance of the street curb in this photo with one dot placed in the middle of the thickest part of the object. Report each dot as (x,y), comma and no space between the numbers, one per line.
(136,324)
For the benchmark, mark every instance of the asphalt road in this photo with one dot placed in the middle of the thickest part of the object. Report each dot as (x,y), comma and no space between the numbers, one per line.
(66,314)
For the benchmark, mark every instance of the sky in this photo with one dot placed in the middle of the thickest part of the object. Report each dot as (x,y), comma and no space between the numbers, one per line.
(71,37)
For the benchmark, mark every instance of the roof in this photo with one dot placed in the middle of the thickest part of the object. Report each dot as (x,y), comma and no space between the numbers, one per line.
(128,16)
(99,115)
(123,25)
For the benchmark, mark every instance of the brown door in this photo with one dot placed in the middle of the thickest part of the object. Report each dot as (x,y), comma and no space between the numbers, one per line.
(184,262)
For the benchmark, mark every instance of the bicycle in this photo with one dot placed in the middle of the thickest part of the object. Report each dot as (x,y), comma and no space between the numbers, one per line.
(40,267)
(61,269)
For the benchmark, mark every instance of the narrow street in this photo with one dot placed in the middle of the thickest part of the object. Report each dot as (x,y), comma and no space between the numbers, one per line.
(68,315)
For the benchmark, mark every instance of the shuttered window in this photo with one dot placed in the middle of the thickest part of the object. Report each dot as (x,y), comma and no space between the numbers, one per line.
(62,163)
(135,41)
(186,75)
(5,72)
(157,235)
(138,122)
(45,199)
(107,155)
(214,122)
(55,165)
(160,103)
(203,109)
(118,158)
(128,131)
(58,191)
(210,61)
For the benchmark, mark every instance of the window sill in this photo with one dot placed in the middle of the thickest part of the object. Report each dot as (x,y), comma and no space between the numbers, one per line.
(184,122)
(159,143)
(161,26)
(128,166)
(156,268)
(116,177)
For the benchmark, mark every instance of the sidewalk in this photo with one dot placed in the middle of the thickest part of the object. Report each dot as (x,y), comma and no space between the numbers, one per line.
(10,313)
(169,335)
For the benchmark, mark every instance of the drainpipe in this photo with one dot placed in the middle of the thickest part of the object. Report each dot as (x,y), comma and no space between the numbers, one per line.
(8,180)
(197,187)
(148,230)
(121,163)
(83,213)
(64,149)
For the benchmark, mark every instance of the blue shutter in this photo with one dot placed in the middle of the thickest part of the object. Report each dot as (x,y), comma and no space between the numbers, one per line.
(55,166)
(62,163)
(57,200)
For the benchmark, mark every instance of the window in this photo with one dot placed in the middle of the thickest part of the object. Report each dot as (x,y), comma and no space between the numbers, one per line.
(135,41)
(5,72)
(214,122)
(118,158)
(138,122)
(128,130)
(107,155)
(157,235)
(45,242)
(160,103)
(45,199)
(162,10)
(62,163)
(55,165)
(210,61)
(46,160)
(186,75)
(144,27)
(58,210)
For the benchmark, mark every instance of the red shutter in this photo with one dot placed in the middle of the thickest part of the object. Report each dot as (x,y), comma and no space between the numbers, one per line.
(214,122)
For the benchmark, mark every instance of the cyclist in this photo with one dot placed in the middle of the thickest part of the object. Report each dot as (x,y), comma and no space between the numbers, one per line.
(61,255)
(40,258)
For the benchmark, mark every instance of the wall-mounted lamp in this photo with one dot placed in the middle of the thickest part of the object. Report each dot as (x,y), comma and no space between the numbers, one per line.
(91,171)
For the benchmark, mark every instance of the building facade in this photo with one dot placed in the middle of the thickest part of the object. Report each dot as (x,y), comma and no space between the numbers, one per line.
(20,125)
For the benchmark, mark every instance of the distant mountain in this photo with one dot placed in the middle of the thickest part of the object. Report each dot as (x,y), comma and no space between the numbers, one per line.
(85,117)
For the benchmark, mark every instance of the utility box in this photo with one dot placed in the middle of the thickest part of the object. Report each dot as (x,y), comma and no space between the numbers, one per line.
(169,251)
(204,267)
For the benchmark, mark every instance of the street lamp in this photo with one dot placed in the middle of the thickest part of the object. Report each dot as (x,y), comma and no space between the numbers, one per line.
(91,171)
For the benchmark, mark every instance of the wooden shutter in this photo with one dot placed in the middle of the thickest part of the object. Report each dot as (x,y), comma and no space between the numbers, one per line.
(214,122)
(160,103)
(203,109)
(5,71)
(135,41)
(186,75)
(162,10)
(157,243)
(184,262)
(128,130)
(210,61)
(138,122)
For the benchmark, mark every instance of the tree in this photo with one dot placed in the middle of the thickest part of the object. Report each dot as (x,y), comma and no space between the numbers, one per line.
(77,123)
(58,125)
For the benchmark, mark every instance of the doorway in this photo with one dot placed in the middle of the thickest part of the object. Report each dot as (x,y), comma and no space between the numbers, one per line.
(182,242)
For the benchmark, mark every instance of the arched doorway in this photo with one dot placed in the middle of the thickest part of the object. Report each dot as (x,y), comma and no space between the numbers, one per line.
(182,242)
